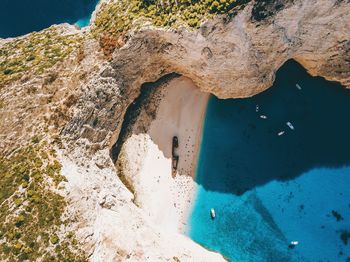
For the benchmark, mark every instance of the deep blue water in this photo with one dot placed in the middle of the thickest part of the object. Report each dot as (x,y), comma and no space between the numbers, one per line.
(269,190)
(18,17)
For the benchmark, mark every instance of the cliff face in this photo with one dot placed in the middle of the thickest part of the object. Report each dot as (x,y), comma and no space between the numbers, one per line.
(231,56)
(238,56)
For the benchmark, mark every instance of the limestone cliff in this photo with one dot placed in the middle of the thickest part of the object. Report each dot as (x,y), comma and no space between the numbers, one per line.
(81,100)
(230,57)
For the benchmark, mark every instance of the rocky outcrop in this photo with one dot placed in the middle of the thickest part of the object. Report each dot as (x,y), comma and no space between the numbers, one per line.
(230,57)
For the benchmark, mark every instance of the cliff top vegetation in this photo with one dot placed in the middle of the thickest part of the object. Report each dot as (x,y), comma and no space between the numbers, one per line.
(115,18)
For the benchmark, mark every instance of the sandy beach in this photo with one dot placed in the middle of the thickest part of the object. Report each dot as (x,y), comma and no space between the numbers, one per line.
(166,199)
(151,216)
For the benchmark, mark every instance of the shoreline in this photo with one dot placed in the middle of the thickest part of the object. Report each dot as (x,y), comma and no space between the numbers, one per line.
(153,213)
(183,98)
(195,159)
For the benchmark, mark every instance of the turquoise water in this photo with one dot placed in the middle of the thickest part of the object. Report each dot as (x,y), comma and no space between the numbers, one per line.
(83,22)
(19,17)
(268,190)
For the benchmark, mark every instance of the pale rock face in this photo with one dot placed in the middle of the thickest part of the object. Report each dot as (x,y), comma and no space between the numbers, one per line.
(111,226)
(231,58)
(239,58)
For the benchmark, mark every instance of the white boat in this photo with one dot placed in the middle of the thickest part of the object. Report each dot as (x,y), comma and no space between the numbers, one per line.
(294,243)
(280,133)
(263,117)
(289,124)
(257,108)
(212,213)
(298,86)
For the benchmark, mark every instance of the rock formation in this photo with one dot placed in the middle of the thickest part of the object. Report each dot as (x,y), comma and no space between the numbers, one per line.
(230,56)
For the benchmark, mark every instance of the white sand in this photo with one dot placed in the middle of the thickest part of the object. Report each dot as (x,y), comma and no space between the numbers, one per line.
(165,199)
(110,225)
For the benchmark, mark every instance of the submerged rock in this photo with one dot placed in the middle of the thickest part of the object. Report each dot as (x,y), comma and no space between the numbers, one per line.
(337,215)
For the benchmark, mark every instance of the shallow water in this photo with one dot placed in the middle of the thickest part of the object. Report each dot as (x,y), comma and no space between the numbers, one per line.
(269,190)
(18,17)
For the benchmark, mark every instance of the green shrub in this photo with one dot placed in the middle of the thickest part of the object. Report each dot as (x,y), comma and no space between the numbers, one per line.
(25,192)
(35,53)
(54,239)
(20,220)
(18,201)
(18,246)
(8,71)
(116,18)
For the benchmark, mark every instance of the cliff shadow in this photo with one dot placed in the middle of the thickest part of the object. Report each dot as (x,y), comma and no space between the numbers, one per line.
(141,104)
(166,109)
(241,150)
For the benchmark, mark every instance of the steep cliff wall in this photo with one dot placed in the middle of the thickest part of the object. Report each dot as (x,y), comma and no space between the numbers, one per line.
(230,56)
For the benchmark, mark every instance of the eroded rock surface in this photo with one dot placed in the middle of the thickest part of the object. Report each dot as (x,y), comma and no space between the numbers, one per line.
(229,57)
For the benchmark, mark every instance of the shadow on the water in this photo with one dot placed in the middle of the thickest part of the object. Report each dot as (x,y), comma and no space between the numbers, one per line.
(241,151)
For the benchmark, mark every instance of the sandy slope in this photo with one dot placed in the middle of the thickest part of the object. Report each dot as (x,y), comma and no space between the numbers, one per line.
(180,113)
(146,225)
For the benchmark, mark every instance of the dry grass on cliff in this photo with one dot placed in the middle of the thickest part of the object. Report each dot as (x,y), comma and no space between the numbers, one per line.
(35,53)
(31,208)
(115,18)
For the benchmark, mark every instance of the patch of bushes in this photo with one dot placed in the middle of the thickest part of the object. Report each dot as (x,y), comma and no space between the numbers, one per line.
(35,53)
(116,18)
(31,210)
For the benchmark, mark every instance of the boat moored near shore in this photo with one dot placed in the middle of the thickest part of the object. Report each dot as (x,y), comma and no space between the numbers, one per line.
(212,213)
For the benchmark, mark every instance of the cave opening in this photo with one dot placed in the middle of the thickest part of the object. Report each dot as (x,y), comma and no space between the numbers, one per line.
(172,107)
(132,113)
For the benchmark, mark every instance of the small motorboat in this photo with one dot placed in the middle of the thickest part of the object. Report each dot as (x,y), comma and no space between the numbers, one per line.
(280,133)
(212,213)
(289,124)
(263,117)
(298,86)
(293,244)
(257,108)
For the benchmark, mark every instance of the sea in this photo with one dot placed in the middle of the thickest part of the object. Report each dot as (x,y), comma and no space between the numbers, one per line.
(19,17)
(276,169)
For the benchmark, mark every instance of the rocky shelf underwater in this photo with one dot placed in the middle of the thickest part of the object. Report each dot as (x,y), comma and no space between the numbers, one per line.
(22,17)
(269,188)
